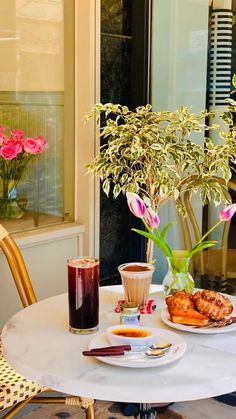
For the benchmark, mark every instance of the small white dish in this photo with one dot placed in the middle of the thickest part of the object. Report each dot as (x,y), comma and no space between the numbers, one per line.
(129,335)
(139,359)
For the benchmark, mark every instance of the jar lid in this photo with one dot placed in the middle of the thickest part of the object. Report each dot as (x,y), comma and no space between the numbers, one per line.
(129,307)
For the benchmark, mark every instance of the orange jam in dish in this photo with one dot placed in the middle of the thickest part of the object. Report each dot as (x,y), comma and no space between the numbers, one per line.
(131,333)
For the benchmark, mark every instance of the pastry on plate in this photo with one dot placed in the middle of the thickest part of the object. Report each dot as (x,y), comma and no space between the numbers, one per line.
(180,300)
(212,304)
(190,317)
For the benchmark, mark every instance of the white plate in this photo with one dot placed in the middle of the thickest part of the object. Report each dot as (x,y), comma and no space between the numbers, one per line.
(225,329)
(139,359)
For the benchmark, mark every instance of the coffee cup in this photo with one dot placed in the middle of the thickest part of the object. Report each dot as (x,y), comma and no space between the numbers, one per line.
(136,279)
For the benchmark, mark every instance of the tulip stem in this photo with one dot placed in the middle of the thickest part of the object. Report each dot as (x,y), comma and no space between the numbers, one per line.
(210,230)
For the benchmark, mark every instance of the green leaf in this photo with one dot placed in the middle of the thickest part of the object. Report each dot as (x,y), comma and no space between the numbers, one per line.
(217,198)
(124,178)
(201,247)
(158,242)
(116,190)
(234,80)
(106,186)
(163,190)
(176,194)
(165,229)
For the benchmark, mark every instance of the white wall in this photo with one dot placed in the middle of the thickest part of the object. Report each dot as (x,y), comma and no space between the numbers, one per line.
(179,65)
(45,255)
(46,259)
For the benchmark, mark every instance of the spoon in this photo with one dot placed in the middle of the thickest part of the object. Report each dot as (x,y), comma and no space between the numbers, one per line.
(157,350)
(161,345)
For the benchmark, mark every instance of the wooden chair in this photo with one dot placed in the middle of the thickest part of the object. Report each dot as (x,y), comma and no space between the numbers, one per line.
(214,265)
(15,390)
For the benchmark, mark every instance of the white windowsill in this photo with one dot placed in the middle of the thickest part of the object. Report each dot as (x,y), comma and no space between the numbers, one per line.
(48,234)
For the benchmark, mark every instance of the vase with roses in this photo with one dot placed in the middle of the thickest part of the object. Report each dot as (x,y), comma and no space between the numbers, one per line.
(16,153)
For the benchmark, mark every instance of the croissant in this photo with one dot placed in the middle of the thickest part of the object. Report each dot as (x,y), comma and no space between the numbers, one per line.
(212,304)
(179,300)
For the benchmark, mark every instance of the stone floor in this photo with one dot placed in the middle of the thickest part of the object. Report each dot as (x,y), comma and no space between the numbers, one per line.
(200,409)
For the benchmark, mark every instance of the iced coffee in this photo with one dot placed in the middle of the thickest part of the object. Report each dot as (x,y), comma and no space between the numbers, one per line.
(136,278)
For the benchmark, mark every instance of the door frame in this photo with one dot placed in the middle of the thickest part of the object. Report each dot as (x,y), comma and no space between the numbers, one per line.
(87,93)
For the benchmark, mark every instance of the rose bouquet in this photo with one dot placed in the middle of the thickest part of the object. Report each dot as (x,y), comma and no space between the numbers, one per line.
(178,260)
(16,152)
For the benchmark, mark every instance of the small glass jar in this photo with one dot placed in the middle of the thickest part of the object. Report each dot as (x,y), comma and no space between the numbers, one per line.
(129,314)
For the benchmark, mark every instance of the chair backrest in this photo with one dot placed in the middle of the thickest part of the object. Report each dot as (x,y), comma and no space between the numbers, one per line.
(18,268)
(191,220)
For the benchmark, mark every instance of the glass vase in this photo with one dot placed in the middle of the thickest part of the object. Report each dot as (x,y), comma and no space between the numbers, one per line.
(178,277)
(11,206)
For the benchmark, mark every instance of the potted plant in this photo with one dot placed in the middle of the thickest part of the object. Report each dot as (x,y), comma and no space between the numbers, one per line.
(157,155)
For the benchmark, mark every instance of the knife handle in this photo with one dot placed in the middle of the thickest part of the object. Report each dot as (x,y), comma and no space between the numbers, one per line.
(103,353)
(113,348)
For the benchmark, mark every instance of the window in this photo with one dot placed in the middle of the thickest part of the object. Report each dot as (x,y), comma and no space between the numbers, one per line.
(37,96)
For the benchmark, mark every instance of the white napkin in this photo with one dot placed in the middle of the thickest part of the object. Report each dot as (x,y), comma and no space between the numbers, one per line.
(222,342)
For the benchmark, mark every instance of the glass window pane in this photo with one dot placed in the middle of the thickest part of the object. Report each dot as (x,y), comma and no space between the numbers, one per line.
(37,96)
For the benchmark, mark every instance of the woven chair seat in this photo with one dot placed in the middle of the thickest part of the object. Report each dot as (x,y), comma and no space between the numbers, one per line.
(13,387)
(15,390)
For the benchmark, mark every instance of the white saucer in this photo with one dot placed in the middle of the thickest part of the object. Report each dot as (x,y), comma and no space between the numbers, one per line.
(139,359)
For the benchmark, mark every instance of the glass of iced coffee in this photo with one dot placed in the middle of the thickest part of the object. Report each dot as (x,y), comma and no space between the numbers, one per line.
(136,278)
(83,293)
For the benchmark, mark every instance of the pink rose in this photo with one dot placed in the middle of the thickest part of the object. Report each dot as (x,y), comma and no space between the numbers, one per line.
(17,134)
(41,141)
(2,138)
(19,146)
(8,141)
(14,143)
(33,146)
(8,152)
(2,129)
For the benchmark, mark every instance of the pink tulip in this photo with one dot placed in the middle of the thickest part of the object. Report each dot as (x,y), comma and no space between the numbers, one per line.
(227,213)
(151,218)
(136,204)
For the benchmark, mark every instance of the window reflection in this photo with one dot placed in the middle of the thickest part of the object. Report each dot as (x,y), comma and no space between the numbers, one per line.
(32,92)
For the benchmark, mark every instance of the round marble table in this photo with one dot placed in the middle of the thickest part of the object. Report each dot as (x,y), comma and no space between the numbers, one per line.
(38,345)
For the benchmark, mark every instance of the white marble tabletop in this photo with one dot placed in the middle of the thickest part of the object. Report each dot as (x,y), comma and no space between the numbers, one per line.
(37,343)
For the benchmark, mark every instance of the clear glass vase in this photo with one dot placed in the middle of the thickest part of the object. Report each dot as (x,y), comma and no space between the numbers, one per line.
(11,206)
(178,277)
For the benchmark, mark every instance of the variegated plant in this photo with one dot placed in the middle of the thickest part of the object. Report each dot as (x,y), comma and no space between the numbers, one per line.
(156,153)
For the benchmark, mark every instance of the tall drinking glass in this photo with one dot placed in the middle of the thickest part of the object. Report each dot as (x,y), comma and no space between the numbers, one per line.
(136,278)
(83,292)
